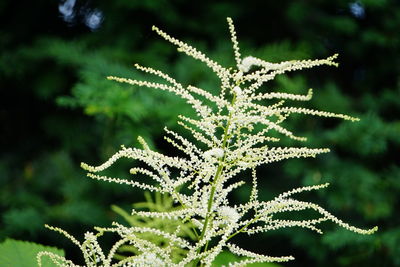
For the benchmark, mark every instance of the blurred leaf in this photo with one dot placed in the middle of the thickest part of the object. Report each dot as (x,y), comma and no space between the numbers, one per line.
(23,254)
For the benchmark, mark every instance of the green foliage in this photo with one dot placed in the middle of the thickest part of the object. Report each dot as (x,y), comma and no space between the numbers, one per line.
(48,176)
(23,254)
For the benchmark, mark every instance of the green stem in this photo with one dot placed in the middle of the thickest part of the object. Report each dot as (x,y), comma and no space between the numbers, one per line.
(215,180)
(244,227)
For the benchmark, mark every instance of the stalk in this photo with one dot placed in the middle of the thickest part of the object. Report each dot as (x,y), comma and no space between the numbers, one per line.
(216,177)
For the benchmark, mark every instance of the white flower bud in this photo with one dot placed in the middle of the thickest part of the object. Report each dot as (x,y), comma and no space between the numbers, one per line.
(239,75)
(228,213)
(237,90)
(215,152)
(246,63)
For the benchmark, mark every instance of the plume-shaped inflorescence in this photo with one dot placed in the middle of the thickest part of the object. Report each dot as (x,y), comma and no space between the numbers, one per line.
(234,131)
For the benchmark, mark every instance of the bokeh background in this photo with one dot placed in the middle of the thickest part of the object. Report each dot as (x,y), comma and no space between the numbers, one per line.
(57,110)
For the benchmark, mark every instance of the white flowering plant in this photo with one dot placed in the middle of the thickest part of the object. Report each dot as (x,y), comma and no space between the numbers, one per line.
(236,130)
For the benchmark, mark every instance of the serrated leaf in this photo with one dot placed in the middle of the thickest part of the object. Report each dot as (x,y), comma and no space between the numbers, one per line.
(23,254)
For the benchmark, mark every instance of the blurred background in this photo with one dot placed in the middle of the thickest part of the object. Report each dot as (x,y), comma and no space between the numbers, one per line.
(57,110)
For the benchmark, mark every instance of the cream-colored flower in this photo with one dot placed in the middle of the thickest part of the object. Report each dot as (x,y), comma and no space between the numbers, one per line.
(234,132)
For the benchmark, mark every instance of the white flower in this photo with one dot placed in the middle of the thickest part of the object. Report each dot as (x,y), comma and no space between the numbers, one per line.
(208,175)
(246,63)
(90,236)
(214,152)
(151,259)
(229,214)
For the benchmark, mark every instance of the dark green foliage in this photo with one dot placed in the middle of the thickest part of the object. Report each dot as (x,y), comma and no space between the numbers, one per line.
(57,109)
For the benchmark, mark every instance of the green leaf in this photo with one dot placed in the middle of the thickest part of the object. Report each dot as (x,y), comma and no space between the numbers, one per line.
(23,254)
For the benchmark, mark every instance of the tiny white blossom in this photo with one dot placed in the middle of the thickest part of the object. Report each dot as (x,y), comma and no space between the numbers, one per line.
(90,236)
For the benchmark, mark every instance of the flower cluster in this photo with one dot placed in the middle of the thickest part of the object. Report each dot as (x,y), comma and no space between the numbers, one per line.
(236,130)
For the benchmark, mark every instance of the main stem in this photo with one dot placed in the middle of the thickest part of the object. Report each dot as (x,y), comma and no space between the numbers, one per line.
(216,177)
